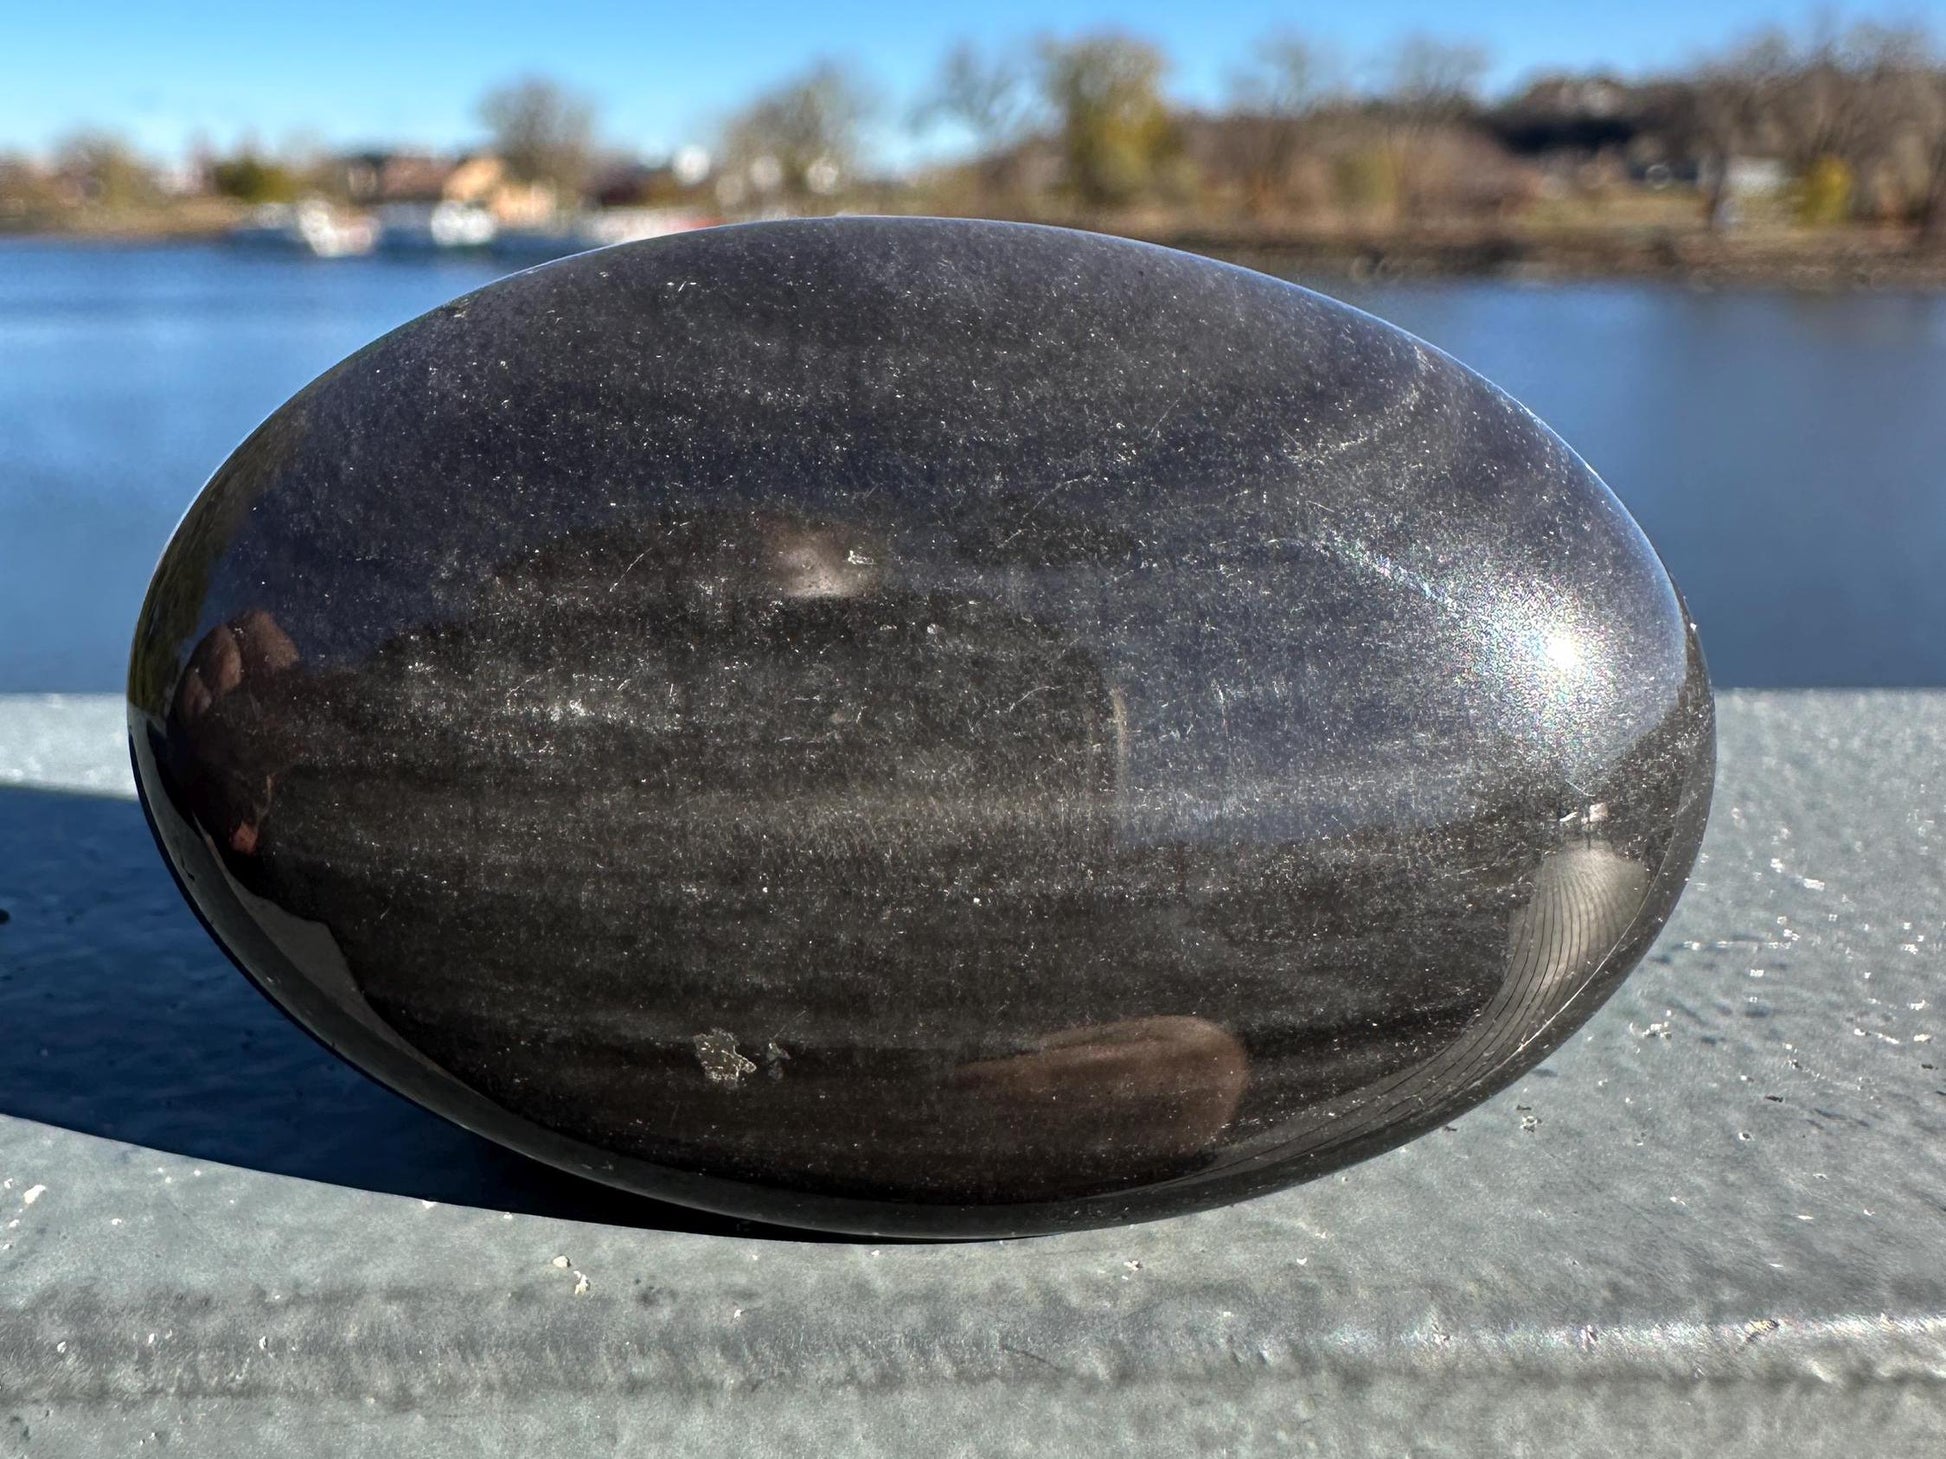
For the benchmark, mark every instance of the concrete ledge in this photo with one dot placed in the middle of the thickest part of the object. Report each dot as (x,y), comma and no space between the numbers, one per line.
(1715,1222)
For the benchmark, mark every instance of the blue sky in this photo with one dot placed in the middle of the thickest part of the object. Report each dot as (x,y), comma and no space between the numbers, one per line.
(350,71)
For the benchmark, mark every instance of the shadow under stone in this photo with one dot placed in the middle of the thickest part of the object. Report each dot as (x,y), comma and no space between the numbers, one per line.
(125,1020)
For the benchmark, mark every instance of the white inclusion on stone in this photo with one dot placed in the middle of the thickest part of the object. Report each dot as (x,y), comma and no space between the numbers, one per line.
(717,1052)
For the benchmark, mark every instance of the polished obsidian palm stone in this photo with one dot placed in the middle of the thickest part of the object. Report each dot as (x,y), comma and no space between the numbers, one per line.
(917,726)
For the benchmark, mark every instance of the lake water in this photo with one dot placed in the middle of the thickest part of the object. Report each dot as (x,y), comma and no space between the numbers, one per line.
(1785,452)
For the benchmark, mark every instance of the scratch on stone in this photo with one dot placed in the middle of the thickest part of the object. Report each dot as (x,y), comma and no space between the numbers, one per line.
(629,569)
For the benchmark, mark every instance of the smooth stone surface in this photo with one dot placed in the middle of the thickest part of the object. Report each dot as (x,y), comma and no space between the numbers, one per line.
(906,726)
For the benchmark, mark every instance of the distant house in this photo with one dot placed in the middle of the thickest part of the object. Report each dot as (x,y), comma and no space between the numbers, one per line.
(478,179)
(634,184)
(1581,116)
(677,181)
(396,177)
(475,178)
(1752,177)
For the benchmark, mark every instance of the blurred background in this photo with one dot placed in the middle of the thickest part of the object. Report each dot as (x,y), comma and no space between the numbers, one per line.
(1705,243)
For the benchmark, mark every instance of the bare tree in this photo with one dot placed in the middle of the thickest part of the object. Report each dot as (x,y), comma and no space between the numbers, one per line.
(101,168)
(1834,103)
(987,97)
(1711,117)
(984,94)
(804,136)
(1272,101)
(1105,91)
(27,194)
(1851,101)
(1727,108)
(1834,108)
(1925,92)
(1431,85)
(1434,78)
(543,133)
(1904,115)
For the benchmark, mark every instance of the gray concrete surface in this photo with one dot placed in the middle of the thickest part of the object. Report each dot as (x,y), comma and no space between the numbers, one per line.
(1714,1223)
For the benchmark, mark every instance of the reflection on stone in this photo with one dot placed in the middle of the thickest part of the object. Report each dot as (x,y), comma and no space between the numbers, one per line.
(222,773)
(1102,1103)
(1580,902)
(836,769)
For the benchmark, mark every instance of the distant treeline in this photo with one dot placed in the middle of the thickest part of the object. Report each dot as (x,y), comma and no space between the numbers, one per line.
(1840,123)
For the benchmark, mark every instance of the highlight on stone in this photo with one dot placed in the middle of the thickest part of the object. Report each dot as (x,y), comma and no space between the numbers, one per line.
(918,726)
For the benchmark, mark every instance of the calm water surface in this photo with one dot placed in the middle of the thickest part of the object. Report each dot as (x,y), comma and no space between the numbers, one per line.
(1785,452)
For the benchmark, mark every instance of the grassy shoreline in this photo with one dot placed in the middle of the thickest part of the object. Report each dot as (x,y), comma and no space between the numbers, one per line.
(1831,258)
(1852,260)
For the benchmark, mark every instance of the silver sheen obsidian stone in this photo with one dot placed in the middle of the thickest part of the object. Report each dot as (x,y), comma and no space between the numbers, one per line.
(918,726)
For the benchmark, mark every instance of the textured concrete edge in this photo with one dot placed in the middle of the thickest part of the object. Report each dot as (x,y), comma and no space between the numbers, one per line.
(71,742)
(1325,1415)
(403,1349)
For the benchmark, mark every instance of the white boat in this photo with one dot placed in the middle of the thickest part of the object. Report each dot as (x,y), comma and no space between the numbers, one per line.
(312,226)
(632,225)
(594,230)
(431,227)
